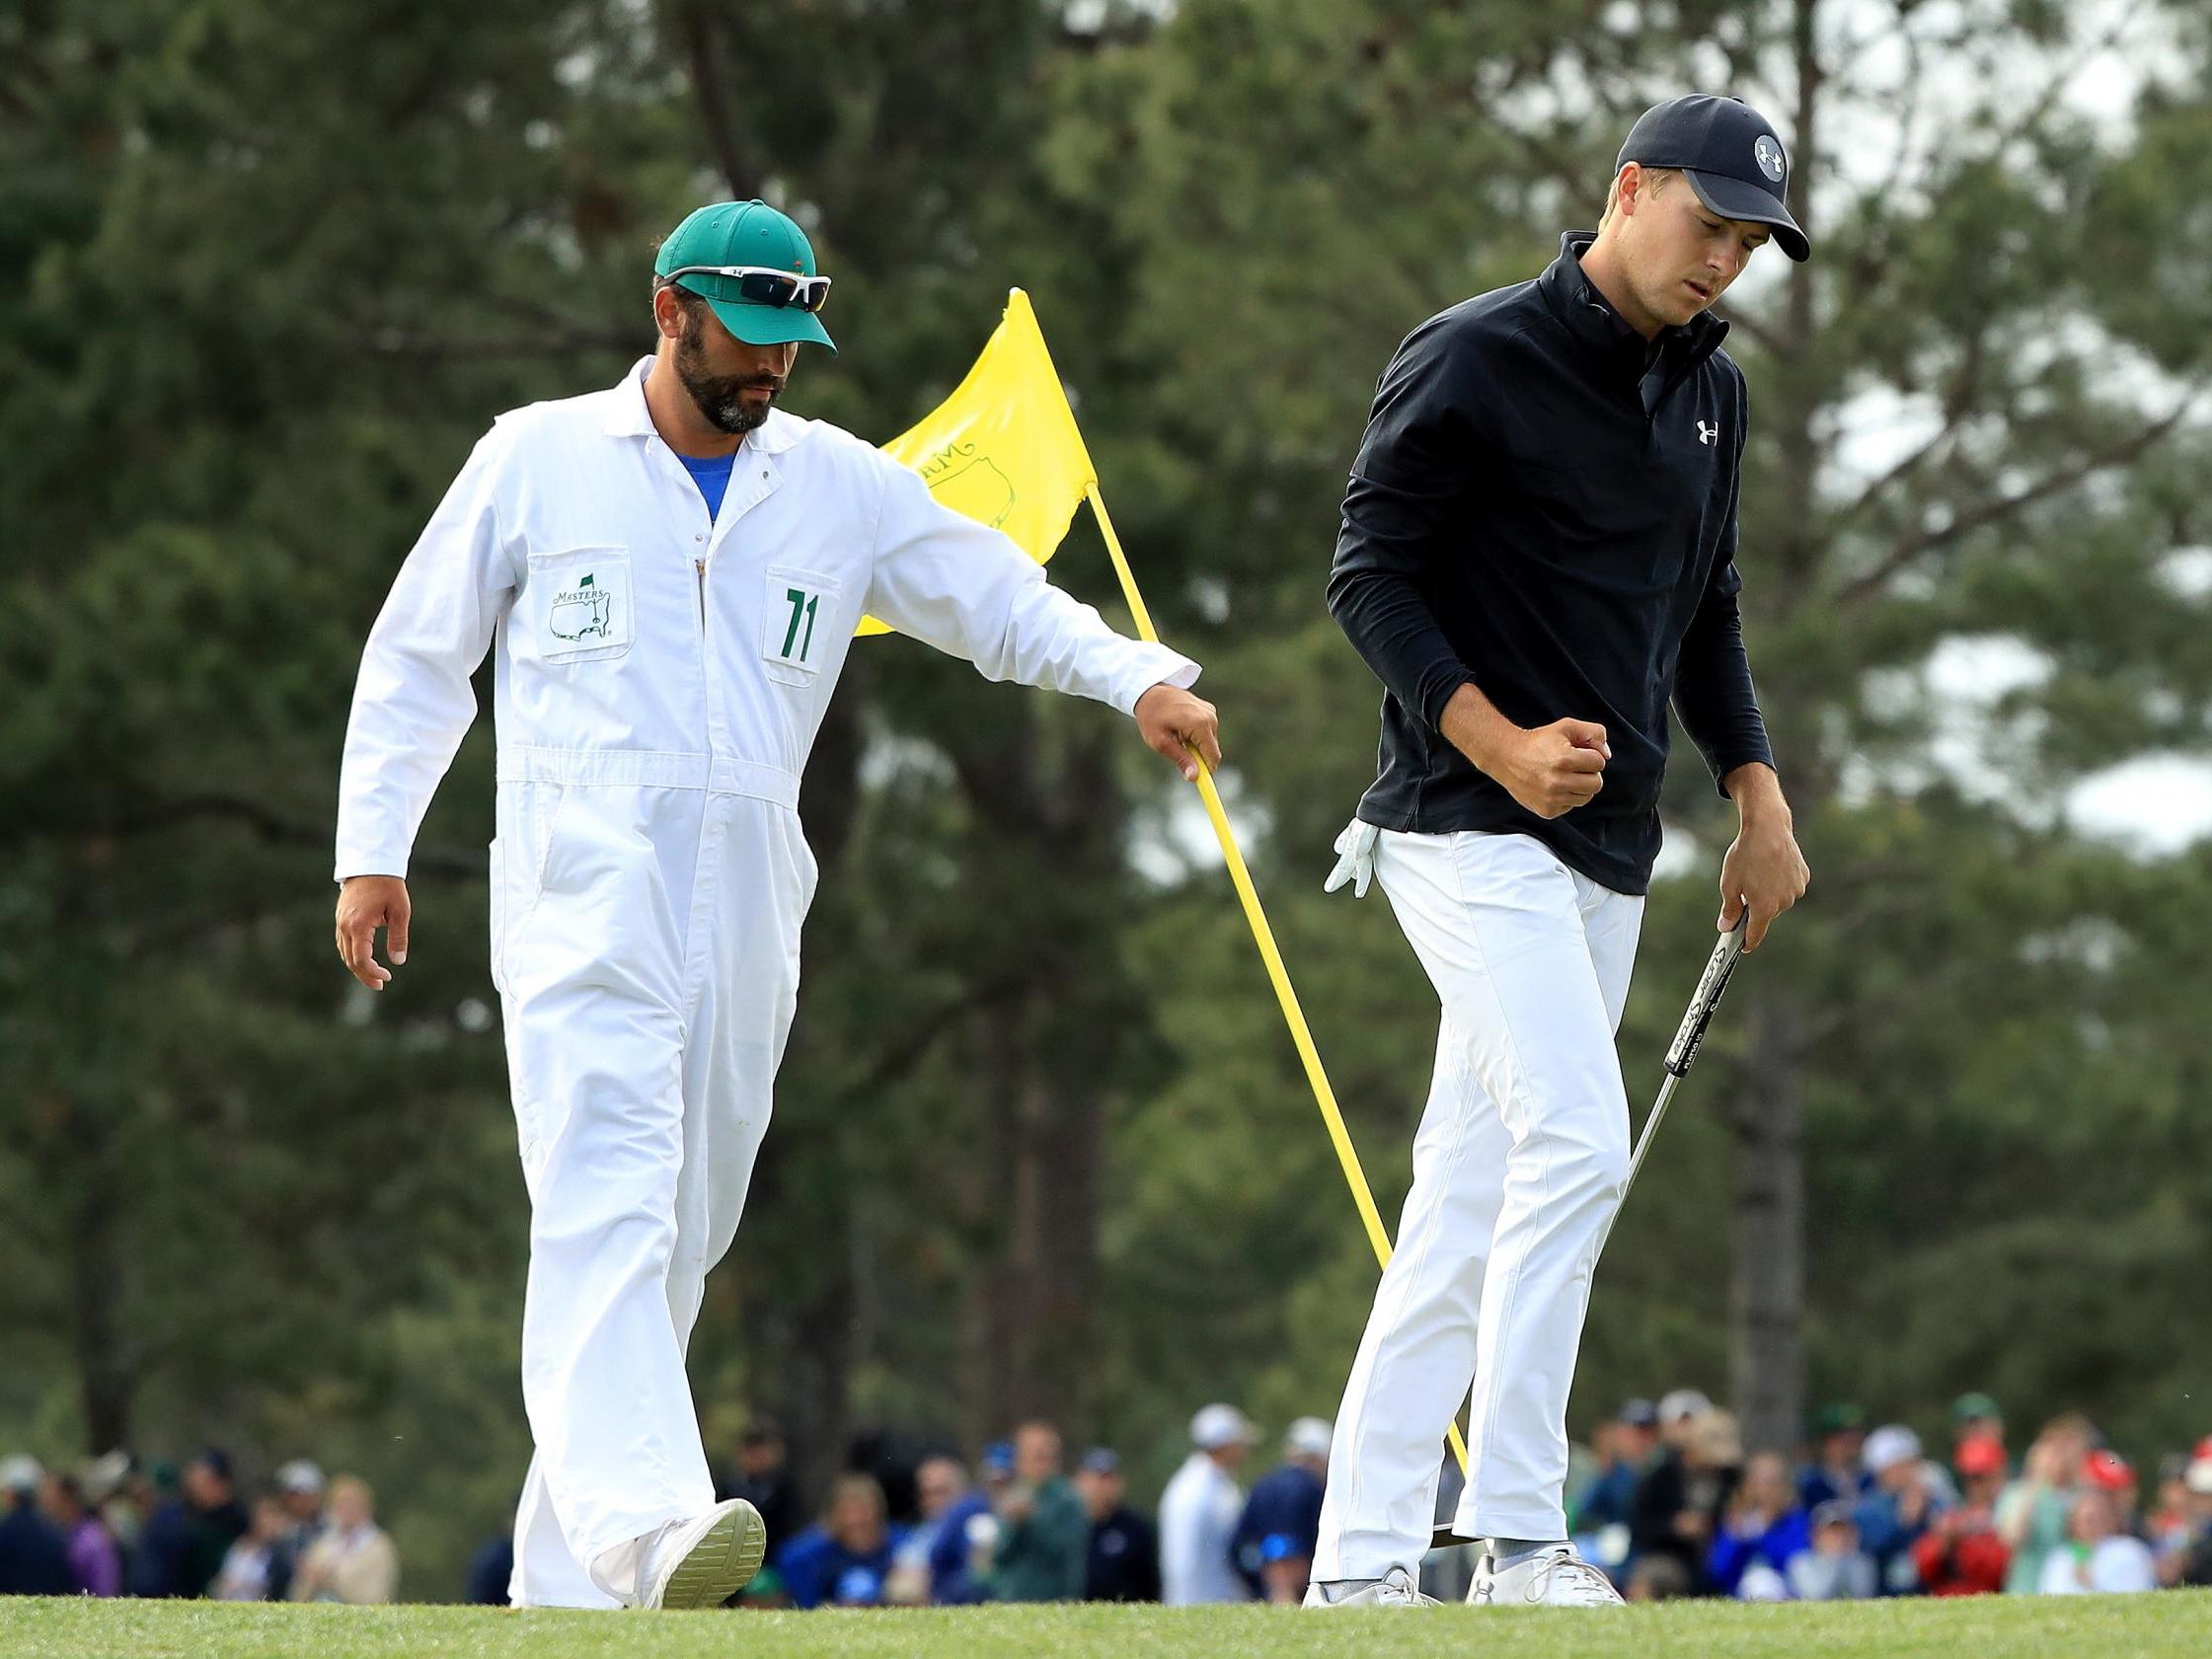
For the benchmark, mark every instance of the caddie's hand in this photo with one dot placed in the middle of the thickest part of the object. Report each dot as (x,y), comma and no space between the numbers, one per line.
(1548,769)
(1175,722)
(1764,874)
(366,903)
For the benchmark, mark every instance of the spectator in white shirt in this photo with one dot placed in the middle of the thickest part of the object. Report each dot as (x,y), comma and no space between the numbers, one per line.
(2099,1558)
(1199,1512)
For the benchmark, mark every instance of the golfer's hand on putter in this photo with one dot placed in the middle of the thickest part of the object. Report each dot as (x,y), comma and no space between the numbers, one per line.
(1548,769)
(364,904)
(1173,722)
(1764,872)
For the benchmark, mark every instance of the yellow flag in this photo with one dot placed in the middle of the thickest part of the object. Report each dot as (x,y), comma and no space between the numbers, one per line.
(1004,447)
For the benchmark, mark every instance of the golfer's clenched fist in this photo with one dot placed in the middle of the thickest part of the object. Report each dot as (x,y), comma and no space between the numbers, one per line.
(364,904)
(1548,769)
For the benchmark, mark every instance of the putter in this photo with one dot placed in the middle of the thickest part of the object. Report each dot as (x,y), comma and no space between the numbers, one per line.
(1680,1053)
(1683,1049)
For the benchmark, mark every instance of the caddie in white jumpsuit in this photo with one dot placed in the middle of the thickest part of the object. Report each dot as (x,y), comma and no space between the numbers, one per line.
(669,572)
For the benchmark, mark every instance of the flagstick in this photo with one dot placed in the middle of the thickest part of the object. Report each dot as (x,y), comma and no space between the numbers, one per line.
(1264,935)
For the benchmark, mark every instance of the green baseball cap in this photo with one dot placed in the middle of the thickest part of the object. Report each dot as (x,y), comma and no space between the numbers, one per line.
(717,241)
(1840,1417)
(1967,1407)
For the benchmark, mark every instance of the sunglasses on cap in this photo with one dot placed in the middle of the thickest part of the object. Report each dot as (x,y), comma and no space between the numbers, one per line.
(763,284)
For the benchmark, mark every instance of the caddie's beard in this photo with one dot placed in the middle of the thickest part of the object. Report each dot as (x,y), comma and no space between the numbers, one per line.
(720,397)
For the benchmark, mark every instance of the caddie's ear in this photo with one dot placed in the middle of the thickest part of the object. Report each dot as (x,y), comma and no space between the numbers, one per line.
(668,312)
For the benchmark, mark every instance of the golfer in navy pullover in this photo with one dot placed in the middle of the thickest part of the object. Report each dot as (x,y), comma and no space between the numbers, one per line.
(1538,556)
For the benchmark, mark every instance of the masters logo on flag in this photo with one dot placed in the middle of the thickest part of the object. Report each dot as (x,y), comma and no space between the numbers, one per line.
(1003,449)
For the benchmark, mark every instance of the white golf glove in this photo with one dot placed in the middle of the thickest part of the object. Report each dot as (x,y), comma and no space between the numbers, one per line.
(1355,861)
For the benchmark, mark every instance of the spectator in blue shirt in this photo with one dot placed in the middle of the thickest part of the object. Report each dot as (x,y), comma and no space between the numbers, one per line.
(1762,1528)
(1603,1512)
(33,1553)
(1835,1472)
(847,1559)
(1892,1516)
(948,1544)
(1274,1542)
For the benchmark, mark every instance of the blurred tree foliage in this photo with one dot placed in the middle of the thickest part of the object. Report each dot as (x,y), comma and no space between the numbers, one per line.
(264,274)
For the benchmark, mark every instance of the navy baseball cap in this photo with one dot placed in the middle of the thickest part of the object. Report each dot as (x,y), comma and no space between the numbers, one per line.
(1730,154)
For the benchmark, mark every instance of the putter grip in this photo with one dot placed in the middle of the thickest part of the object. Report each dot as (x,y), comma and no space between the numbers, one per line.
(1715,980)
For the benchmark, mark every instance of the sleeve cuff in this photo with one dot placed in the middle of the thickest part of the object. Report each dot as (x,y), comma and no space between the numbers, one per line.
(368,864)
(1723,768)
(1157,667)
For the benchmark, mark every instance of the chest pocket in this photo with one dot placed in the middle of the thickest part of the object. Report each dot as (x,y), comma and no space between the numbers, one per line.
(798,622)
(582,603)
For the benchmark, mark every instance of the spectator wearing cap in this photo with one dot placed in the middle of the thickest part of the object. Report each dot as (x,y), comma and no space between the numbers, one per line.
(2099,1556)
(300,1486)
(1678,1505)
(1835,1567)
(161,1566)
(1975,1416)
(95,1560)
(33,1553)
(1199,1512)
(1762,1528)
(1902,1506)
(1962,1554)
(218,1519)
(1625,1449)
(1280,1528)
(1044,1537)
(2035,1514)
(1123,1565)
(2197,1563)
(115,1487)
(2107,1472)
(1838,1469)
(353,1561)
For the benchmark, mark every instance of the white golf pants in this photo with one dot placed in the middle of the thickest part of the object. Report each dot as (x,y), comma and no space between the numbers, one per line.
(1520,1161)
(646,946)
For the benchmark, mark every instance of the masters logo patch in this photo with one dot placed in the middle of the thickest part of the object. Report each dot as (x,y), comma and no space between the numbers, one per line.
(583,612)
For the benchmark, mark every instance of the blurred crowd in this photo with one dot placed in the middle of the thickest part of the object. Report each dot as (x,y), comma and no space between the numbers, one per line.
(1670,1504)
(1665,1499)
(119,1528)
(1021,1525)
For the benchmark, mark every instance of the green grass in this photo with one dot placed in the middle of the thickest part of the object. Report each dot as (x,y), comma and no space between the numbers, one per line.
(2168,1624)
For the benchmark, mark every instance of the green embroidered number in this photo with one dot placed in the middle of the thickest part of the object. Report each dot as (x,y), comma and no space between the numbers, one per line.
(803,605)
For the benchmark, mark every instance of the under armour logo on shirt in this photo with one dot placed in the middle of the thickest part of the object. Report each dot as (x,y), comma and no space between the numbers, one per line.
(1707,433)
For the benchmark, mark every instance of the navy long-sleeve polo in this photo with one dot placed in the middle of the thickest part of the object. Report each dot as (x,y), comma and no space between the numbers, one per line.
(1545,506)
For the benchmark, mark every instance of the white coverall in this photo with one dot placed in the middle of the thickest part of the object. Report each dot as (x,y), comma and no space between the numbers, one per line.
(660,678)
(1519,1163)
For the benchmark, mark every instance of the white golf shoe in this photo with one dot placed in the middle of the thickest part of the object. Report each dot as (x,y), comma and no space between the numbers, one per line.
(704,1561)
(1552,1577)
(1395,1588)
